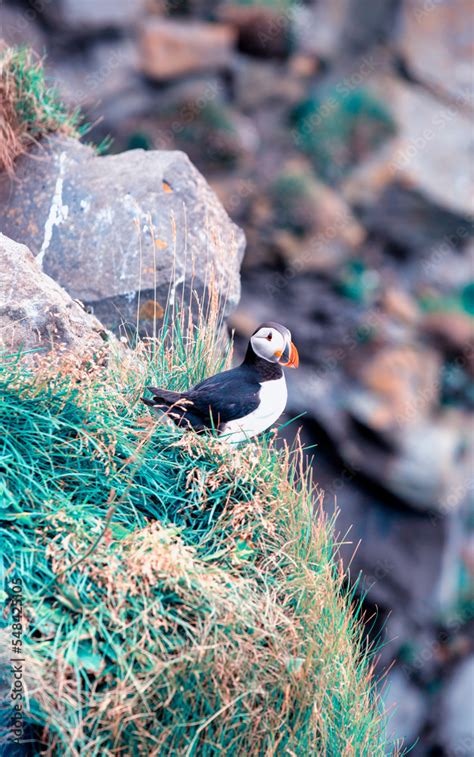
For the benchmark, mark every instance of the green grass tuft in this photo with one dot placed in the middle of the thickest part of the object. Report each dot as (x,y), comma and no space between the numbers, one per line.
(31,107)
(182,595)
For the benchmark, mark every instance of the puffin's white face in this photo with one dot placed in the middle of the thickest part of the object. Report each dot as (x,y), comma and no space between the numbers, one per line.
(268,343)
(271,344)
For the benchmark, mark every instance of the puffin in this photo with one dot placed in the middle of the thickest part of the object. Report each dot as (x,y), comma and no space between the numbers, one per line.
(243,401)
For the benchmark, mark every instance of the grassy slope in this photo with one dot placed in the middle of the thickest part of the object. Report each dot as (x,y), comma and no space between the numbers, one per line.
(182,595)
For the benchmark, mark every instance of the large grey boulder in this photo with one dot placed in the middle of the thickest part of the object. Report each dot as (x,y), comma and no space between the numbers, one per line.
(125,234)
(36,315)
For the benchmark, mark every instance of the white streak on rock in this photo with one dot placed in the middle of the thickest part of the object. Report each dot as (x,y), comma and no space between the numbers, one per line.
(176,283)
(57,212)
(105,215)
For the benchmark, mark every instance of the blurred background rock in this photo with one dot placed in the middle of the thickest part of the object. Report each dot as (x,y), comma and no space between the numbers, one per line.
(338,134)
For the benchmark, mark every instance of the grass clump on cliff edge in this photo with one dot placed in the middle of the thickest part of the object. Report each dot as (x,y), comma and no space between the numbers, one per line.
(181,595)
(30,108)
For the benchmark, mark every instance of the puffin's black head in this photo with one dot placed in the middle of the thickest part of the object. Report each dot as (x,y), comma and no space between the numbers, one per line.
(272,342)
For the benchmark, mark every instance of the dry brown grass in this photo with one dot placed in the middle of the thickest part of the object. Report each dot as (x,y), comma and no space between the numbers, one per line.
(29,108)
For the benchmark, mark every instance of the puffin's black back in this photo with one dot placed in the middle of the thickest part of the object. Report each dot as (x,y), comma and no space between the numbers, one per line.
(225,397)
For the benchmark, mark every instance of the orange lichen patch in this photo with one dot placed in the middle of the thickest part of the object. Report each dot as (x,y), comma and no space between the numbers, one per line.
(150,310)
(161,244)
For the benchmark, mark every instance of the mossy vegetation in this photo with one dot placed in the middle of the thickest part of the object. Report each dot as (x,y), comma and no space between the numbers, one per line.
(181,594)
(457,301)
(209,126)
(338,127)
(357,282)
(293,198)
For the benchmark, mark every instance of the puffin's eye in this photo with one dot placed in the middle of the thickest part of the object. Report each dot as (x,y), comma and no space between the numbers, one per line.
(270,336)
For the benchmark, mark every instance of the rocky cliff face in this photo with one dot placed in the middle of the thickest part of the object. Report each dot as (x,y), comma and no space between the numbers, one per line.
(337,134)
(126,234)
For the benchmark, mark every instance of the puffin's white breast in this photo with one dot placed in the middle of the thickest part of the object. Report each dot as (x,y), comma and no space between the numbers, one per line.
(272,396)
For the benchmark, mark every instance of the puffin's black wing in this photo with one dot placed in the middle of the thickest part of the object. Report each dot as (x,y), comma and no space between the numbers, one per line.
(177,407)
(226,396)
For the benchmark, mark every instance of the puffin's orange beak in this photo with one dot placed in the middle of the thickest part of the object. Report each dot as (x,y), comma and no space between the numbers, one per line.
(291,357)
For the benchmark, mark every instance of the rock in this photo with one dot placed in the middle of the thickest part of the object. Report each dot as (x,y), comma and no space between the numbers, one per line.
(397,555)
(110,228)
(425,225)
(400,305)
(340,126)
(368,25)
(338,29)
(453,332)
(396,434)
(455,725)
(243,324)
(108,70)
(173,48)
(365,184)
(308,253)
(261,31)
(213,134)
(86,16)
(259,83)
(305,207)
(105,82)
(318,27)
(449,263)
(432,469)
(402,461)
(36,313)
(323,323)
(190,114)
(303,65)
(18,27)
(402,560)
(432,141)
(188,95)
(420,461)
(405,707)
(436,43)
(235,194)
(405,382)
(467,563)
